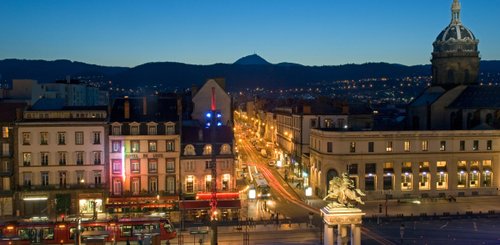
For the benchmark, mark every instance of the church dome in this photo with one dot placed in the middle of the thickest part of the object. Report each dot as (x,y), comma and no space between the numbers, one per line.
(455,37)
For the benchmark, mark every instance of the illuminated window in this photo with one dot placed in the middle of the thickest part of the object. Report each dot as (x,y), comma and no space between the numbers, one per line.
(489,145)
(475,145)
(27,159)
(170,145)
(135,185)
(5,132)
(134,146)
(425,145)
(208,183)
(116,146)
(407,145)
(487,178)
(388,146)
(5,149)
(225,181)
(352,147)
(442,180)
(117,186)
(189,184)
(152,146)
(442,146)
(406,181)
(80,177)
(474,179)
(207,150)
(225,149)
(117,166)
(424,181)
(461,179)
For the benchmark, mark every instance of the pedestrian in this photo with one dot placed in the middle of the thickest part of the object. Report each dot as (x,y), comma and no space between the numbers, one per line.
(128,241)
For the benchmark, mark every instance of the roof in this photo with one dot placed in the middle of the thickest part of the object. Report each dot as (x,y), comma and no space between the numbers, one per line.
(428,97)
(9,111)
(145,109)
(191,134)
(476,96)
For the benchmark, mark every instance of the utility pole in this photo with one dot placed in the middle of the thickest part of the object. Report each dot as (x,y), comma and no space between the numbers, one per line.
(214,116)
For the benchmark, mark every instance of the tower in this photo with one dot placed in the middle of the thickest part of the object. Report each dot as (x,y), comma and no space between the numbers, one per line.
(455,58)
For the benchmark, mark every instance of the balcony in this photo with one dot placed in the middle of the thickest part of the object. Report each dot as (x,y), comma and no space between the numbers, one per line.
(84,187)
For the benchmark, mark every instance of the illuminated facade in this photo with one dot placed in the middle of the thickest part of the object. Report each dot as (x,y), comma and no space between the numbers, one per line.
(404,164)
(61,159)
(144,150)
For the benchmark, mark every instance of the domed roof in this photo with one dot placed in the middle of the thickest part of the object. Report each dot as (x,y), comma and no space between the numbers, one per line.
(455,31)
(455,36)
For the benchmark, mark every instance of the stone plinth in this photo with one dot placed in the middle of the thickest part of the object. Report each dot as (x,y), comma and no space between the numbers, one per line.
(343,219)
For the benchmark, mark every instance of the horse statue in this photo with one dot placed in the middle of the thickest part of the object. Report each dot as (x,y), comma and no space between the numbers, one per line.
(343,192)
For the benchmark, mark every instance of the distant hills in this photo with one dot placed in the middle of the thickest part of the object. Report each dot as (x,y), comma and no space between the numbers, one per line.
(250,71)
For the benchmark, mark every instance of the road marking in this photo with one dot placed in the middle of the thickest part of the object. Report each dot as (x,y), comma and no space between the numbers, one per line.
(475,226)
(442,227)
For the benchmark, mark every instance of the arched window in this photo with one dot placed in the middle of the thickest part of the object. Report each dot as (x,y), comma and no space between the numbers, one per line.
(189,150)
(225,149)
(332,173)
(207,150)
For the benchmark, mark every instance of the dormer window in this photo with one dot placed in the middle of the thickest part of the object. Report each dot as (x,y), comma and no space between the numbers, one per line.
(152,129)
(134,129)
(225,149)
(189,150)
(207,150)
(170,128)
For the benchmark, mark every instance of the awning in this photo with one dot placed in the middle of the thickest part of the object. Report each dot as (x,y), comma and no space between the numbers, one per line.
(203,204)
(136,199)
(95,234)
(219,195)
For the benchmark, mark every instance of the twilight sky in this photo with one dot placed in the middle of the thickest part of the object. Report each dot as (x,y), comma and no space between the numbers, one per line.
(316,32)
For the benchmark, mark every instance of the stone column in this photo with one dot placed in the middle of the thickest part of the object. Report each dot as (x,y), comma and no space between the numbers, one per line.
(342,234)
(328,235)
(355,234)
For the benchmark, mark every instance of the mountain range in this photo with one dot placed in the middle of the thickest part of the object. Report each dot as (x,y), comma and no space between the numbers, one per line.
(248,72)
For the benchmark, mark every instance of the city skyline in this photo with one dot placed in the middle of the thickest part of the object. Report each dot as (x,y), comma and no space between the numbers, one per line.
(128,33)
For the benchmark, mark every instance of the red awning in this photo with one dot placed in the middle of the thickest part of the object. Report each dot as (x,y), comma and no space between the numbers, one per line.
(206,204)
(220,195)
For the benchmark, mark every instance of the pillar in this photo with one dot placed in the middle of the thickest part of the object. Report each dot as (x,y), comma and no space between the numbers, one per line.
(328,235)
(342,234)
(355,234)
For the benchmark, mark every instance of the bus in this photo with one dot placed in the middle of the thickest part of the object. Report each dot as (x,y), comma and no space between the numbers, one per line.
(259,183)
(49,232)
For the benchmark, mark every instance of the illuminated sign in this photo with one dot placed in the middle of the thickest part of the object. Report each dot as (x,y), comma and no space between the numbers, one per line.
(252,194)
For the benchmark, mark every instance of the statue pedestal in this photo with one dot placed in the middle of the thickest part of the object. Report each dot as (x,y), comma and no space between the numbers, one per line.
(343,219)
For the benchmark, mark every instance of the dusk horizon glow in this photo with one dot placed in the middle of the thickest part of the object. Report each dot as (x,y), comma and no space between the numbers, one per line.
(131,33)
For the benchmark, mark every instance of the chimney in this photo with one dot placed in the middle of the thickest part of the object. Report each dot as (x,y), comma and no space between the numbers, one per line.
(194,90)
(19,114)
(306,109)
(126,108)
(200,135)
(144,106)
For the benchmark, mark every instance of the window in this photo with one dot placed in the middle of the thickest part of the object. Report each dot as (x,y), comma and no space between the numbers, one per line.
(371,146)
(475,145)
(406,181)
(442,180)
(208,183)
(5,132)
(135,186)
(171,165)
(190,166)
(388,146)
(135,166)
(117,186)
(370,182)
(97,177)
(80,177)
(225,149)
(388,181)
(407,145)
(462,145)
(489,145)
(44,138)
(5,149)
(44,158)
(461,179)
(152,146)
(487,178)
(117,166)
(313,123)
(352,147)
(442,146)
(45,178)
(96,138)
(27,179)
(152,166)
(153,184)
(79,158)
(170,129)
(225,181)
(329,147)
(27,159)
(474,179)
(116,146)
(134,129)
(152,130)
(61,138)
(97,157)
(26,138)
(134,146)
(207,150)
(170,145)
(116,130)
(79,138)
(62,158)
(207,164)
(170,185)
(425,145)
(424,181)
(189,184)
(371,168)
(353,168)
(189,150)
(62,179)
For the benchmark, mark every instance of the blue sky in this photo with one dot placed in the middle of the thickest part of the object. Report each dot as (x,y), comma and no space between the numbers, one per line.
(133,32)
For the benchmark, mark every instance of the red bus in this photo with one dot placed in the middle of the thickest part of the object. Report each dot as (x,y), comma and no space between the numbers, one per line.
(28,232)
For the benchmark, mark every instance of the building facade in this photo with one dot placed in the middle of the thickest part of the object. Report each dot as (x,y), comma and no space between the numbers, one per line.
(403,164)
(61,159)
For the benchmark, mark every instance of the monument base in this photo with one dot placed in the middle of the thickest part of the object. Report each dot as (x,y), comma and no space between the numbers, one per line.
(344,219)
